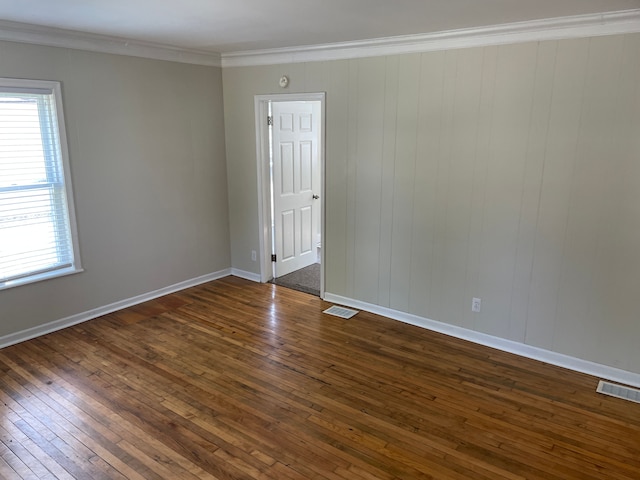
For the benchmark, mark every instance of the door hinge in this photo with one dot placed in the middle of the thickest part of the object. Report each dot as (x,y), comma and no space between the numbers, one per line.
(273,257)
(270,120)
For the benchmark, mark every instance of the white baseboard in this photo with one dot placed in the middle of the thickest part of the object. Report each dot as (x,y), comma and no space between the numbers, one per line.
(50,327)
(528,351)
(254,277)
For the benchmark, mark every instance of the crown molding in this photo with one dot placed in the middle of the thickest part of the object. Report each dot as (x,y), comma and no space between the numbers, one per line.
(592,25)
(56,37)
(579,26)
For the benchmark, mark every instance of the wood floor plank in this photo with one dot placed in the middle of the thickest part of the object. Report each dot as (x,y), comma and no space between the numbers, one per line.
(238,380)
(102,425)
(26,457)
(107,451)
(131,406)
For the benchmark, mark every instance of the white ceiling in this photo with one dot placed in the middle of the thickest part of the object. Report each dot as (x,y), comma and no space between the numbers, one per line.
(237,25)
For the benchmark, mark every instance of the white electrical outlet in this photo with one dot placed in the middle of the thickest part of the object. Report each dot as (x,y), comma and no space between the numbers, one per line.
(254,255)
(476,303)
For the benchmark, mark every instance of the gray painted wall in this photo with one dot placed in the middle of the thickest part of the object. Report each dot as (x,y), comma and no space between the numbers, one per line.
(509,173)
(147,154)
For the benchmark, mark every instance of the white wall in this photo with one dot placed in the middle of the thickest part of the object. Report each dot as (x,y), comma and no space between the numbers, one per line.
(147,154)
(509,173)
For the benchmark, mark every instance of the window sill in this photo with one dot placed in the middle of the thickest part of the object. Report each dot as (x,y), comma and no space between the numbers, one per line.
(40,277)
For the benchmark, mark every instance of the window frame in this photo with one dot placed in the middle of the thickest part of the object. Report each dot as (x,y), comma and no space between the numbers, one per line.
(54,87)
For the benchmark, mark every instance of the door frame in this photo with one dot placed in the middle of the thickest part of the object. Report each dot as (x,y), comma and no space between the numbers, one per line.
(261,108)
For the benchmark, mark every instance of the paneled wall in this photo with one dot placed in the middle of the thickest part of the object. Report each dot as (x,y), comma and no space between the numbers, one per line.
(509,173)
(146,143)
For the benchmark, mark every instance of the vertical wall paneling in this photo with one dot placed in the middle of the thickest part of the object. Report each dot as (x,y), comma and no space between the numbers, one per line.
(479,191)
(560,157)
(508,173)
(405,196)
(387,179)
(619,262)
(576,328)
(352,175)
(369,144)
(511,118)
(532,182)
(436,306)
(336,167)
(426,173)
(465,106)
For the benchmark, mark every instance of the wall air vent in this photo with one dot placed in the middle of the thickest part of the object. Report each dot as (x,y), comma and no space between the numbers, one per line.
(619,391)
(341,312)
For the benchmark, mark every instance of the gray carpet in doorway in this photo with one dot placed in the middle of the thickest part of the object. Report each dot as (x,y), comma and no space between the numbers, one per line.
(306,280)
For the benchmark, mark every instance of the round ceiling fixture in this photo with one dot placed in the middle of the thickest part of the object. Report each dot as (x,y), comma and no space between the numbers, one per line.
(284,81)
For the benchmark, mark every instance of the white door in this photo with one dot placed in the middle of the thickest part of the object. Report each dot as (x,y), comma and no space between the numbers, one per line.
(296,184)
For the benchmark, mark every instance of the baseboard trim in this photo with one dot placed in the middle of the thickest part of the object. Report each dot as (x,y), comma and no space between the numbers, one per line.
(528,351)
(254,277)
(55,325)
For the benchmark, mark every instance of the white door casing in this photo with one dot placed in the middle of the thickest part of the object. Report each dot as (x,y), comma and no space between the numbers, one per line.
(296,184)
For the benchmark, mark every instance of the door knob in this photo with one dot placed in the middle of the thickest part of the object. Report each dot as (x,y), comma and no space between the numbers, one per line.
(316,197)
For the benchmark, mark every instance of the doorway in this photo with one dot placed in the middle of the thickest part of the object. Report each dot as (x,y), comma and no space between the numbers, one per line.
(290,152)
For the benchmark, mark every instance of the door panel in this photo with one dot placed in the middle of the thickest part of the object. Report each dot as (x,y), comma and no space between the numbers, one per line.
(287,169)
(306,230)
(306,166)
(296,181)
(306,123)
(288,235)
(286,122)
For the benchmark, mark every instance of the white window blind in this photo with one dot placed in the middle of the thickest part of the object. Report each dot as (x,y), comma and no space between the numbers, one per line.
(37,227)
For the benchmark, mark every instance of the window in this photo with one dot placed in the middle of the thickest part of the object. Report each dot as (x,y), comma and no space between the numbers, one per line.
(37,224)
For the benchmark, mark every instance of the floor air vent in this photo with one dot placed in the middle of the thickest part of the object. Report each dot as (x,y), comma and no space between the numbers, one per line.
(341,312)
(619,391)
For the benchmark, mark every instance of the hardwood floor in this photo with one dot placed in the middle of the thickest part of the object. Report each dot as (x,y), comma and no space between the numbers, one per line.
(237,380)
